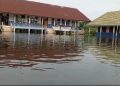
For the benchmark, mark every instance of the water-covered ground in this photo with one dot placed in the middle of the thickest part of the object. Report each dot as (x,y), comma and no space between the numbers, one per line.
(33,59)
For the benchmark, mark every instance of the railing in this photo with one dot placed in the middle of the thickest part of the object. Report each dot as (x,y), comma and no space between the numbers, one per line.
(25,25)
(66,28)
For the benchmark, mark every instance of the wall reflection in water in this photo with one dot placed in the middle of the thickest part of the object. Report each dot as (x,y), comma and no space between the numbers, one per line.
(27,50)
(108,51)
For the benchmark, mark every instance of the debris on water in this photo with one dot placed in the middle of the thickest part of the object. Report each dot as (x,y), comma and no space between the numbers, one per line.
(38,69)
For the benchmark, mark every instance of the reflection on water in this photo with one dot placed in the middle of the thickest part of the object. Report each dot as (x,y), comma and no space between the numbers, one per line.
(28,50)
(34,59)
(109,51)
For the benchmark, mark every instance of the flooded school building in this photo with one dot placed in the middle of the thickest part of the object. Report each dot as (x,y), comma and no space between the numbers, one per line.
(28,15)
(27,58)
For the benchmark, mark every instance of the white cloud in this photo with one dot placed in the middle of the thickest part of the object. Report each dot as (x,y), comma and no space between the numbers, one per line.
(91,8)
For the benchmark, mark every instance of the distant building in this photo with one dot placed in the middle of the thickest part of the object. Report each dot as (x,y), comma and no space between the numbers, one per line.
(30,15)
(108,25)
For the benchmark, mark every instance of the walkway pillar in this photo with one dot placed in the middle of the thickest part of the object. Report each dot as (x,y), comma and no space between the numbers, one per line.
(65,23)
(100,35)
(107,30)
(117,33)
(29,30)
(14,23)
(113,32)
(75,24)
(116,39)
(29,25)
(60,21)
(14,37)
(113,36)
(42,21)
(119,30)
(54,21)
(42,26)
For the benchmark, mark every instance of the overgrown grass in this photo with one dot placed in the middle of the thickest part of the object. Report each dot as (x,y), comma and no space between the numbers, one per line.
(92,30)
(86,28)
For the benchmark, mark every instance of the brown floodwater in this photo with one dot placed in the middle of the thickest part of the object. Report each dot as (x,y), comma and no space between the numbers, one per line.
(34,59)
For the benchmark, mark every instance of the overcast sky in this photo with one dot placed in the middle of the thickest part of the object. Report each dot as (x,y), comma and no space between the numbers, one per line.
(91,8)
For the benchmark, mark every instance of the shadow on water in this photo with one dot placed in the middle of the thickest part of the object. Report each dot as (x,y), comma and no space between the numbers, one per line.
(27,50)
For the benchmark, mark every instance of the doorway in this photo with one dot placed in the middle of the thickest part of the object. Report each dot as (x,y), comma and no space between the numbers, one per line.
(45,22)
(4,18)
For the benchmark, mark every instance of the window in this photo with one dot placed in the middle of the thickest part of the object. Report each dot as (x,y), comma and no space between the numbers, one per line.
(23,16)
(63,22)
(58,22)
(68,23)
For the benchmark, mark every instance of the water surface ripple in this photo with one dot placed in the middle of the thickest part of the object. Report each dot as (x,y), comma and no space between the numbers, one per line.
(33,59)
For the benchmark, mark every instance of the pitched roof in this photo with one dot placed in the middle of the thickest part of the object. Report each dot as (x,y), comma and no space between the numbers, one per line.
(108,19)
(40,9)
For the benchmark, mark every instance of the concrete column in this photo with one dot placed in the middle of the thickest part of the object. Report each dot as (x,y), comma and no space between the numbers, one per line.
(107,29)
(60,21)
(29,24)
(28,37)
(14,37)
(42,21)
(65,23)
(113,31)
(42,30)
(119,30)
(75,24)
(14,22)
(113,37)
(70,24)
(100,37)
(26,20)
(54,22)
(116,39)
(39,20)
(29,20)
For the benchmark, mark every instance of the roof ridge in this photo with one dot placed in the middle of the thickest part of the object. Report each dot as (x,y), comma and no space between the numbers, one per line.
(41,9)
(51,4)
(114,11)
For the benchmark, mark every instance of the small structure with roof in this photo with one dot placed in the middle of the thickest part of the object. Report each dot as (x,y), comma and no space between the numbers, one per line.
(107,25)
